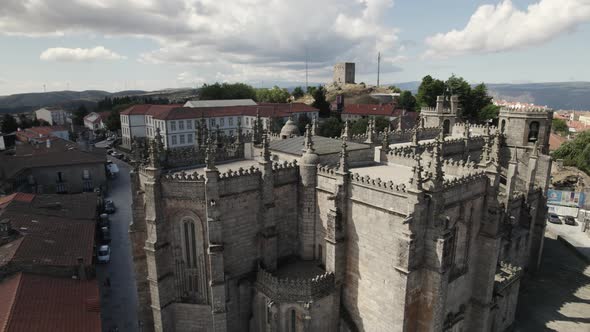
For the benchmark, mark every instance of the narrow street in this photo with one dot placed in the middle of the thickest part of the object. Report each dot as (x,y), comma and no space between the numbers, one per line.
(119,301)
(558,296)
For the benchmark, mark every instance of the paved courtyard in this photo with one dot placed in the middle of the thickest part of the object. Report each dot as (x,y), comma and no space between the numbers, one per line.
(119,301)
(558,298)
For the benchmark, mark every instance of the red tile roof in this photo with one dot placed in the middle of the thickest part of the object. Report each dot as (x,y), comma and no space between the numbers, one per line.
(140,109)
(50,240)
(18,197)
(555,141)
(38,303)
(578,126)
(265,110)
(373,110)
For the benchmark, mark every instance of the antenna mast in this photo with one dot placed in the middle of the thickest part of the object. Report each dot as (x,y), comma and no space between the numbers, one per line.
(378,66)
(306,77)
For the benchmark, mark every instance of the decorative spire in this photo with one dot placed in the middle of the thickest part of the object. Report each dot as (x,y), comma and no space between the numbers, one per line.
(210,155)
(308,138)
(217,135)
(536,149)
(415,137)
(399,124)
(370,131)
(343,165)
(239,131)
(154,156)
(265,148)
(488,130)
(385,141)
(135,151)
(496,148)
(159,141)
(438,174)
(345,131)
(417,169)
(466,133)
(314,126)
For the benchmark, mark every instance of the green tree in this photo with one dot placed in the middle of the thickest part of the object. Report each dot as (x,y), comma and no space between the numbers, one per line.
(359,126)
(560,126)
(395,89)
(113,122)
(477,100)
(488,112)
(332,127)
(303,121)
(9,124)
(407,101)
(311,90)
(274,95)
(320,102)
(298,92)
(575,152)
(227,91)
(24,122)
(79,115)
(428,90)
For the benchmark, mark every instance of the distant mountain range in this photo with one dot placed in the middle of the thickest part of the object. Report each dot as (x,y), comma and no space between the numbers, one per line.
(558,95)
(24,102)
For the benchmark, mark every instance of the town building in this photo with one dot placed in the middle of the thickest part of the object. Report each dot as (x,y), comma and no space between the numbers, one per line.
(40,134)
(32,302)
(96,120)
(180,125)
(53,116)
(415,229)
(344,73)
(52,166)
(390,112)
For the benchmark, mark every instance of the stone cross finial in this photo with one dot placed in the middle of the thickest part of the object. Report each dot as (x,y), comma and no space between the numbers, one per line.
(343,165)
(210,155)
(345,134)
(385,141)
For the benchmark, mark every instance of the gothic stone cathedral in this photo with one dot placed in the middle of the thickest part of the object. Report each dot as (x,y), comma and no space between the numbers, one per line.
(423,229)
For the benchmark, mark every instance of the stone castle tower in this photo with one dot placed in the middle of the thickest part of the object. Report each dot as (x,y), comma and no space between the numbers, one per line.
(344,73)
(404,230)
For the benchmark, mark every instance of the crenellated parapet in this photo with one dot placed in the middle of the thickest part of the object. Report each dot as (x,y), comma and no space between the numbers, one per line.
(229,174)
(506,274)
(525,109)
(285,172)
(463,180)
(183,176)
(295,289)
(474,129)
(459,167)
(377,183)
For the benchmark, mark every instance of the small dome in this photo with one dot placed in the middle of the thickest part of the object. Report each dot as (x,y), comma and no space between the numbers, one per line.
(289,129)
(309,159)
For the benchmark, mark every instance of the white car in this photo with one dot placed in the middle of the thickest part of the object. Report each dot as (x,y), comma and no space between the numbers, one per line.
(104,254)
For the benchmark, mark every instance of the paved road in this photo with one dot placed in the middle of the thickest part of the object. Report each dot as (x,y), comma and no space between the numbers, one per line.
(119,301)
(558,298)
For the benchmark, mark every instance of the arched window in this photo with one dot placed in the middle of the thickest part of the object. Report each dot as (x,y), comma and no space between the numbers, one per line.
(293,327)
(446,127)
(190,262)
(503,126)
(533,131)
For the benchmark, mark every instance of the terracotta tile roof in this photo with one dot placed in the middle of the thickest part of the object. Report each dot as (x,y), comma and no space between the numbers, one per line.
(265,110)
(16,197)
(61,152)
(49,240)
(578,126)
(39,303)
(140,109)
(555,141)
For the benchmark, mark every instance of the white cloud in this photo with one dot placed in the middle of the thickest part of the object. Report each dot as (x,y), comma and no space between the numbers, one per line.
(79,54)
(504,27)
(207,35)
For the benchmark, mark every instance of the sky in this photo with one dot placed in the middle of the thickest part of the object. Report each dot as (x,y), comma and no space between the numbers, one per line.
(118,45)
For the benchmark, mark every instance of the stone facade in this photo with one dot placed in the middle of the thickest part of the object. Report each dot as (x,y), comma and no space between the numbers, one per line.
(424,236)
(344,73)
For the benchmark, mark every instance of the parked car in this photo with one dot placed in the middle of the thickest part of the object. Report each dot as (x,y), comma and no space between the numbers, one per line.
(109,206)
(569,220)
(104,220)
(111,138)
(554,219)
(117,154)
(112,169)
(105,234)
(104,253)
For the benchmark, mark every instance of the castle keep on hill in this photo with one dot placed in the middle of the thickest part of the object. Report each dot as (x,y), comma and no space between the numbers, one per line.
(423,229)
